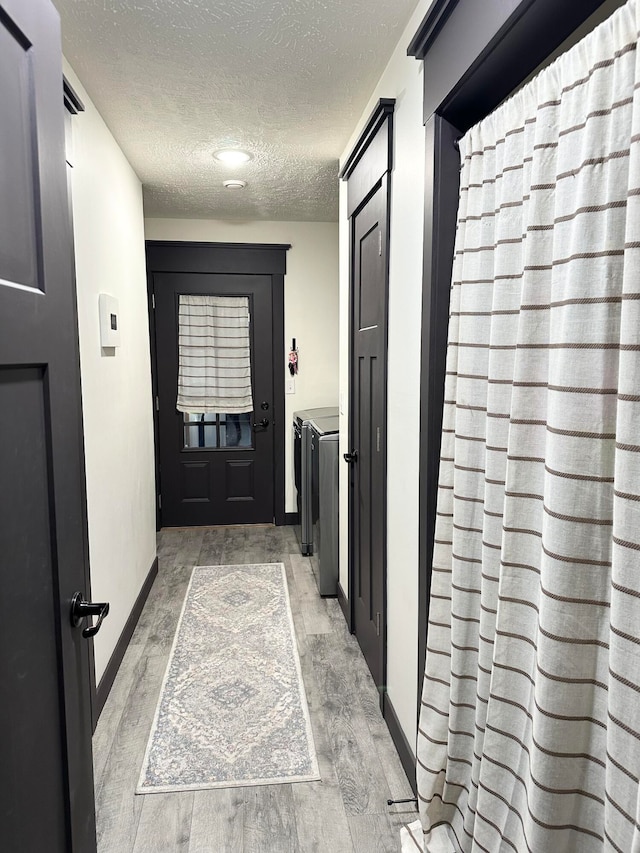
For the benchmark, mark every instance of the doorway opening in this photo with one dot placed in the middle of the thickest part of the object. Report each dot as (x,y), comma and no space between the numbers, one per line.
(217,330)
(367,172)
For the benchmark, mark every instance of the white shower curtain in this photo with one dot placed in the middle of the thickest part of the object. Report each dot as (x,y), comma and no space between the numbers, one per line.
(529,737)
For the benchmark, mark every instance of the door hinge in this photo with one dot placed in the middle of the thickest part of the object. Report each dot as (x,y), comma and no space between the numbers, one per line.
(153,301)
(378,624)
(159,501)
(378,439)
(380,242)
(157,404)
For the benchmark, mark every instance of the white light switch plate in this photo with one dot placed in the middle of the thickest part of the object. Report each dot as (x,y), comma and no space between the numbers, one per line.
(291,386)
(109,320)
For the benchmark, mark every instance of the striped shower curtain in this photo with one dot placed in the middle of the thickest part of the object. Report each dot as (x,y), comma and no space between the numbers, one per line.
(529,736)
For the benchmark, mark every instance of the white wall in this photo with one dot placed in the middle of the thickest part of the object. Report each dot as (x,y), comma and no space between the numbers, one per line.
(402,79)
(116,389)
(310,303)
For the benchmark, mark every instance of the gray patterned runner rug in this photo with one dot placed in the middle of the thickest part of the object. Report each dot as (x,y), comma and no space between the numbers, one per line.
(232,709)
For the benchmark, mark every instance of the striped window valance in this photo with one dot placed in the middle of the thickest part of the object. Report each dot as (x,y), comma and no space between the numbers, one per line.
(214,354)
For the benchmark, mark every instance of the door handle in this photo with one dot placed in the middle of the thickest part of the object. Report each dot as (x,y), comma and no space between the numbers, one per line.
(81,609)
(263,424)
(351,458)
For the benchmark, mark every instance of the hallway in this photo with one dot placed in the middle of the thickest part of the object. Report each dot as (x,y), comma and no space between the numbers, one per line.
(360,769)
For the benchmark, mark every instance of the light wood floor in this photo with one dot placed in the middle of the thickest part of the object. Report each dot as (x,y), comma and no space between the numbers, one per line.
(344,813)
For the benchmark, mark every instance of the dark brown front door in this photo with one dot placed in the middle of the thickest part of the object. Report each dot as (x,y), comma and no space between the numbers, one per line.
(369,428)
(46,780)
(215,468)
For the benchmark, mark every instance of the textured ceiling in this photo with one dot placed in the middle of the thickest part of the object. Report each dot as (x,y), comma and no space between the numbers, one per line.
(175,80)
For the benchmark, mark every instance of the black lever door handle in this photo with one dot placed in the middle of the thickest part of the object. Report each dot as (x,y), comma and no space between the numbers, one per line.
(263,424)
(81,609)
(351,457)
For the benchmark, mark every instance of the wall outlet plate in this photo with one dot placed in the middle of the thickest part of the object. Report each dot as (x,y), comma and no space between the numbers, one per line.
(290,386)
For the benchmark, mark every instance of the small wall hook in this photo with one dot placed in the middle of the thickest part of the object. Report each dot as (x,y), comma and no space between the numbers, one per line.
(293,358)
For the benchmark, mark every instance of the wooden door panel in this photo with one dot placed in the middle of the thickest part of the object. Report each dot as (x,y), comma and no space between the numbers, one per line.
(19,238)
(195,482)
(240,480)
(231,483)
(368,516)
(364,486)
(369,298)
(378,497)
(46,771)
(28,668)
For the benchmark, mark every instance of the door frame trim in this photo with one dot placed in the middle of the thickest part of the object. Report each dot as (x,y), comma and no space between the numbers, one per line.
(368,168)
(228,259)
(73,107)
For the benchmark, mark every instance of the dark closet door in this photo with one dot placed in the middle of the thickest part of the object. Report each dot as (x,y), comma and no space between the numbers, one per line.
(368,431)
(215,468)
(46,777)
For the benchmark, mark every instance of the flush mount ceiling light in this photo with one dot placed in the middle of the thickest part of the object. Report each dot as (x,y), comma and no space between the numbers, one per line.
(232,156)
(234,185)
